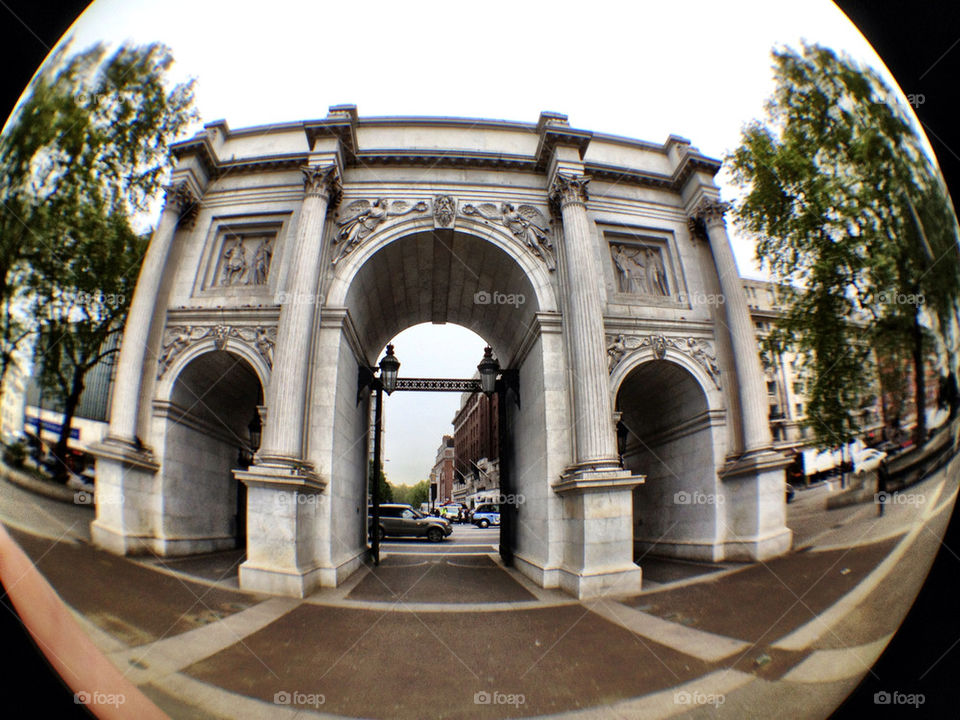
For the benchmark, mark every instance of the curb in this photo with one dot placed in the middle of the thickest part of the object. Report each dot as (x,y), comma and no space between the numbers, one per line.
(55,492)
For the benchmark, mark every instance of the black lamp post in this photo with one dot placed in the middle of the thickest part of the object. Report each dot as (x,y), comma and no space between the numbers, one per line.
(389,366)
(489,369)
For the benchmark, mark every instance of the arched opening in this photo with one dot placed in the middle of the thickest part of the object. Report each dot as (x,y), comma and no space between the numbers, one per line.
(210,428)
(443,278)
(666,435)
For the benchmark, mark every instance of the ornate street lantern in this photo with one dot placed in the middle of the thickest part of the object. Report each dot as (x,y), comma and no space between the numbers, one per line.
(489,369)
(389,366)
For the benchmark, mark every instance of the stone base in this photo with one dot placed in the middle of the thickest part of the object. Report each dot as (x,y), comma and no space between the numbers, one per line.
(118,542)
(702,550)
(598,531)
(606,584)
(764,548)
(277,581)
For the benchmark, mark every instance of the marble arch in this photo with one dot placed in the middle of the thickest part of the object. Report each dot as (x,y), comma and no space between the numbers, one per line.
(303,246)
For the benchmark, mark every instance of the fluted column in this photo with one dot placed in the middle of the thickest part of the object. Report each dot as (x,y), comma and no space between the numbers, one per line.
(283,434)
(595,439)
(179,205)
(753,395)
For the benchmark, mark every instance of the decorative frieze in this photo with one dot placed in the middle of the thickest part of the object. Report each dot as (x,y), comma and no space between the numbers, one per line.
(178,338)
(525,223)
(700,351)
(362,217)
(181,199)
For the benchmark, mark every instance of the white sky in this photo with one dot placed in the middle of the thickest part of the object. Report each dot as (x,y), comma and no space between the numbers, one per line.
(700,69)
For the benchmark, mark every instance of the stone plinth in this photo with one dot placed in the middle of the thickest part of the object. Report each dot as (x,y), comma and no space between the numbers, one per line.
(598,533)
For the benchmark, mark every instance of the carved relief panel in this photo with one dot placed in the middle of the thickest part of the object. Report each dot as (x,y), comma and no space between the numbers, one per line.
(644,268)
(242,256)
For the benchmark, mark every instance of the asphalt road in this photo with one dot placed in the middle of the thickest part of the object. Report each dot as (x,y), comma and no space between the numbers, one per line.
(466,539)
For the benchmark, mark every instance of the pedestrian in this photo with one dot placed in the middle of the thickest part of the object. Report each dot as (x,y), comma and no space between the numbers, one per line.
(883,486)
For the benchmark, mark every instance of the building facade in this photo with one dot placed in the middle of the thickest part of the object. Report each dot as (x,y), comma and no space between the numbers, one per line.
(287,256)
(442,474)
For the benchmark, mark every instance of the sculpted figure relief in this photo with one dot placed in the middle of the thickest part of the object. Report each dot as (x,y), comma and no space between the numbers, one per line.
(234,262)
(362,217)
(640,270)
(525,222)
(261,262)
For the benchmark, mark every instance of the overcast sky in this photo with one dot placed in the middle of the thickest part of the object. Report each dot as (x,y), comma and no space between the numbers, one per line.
(700,69)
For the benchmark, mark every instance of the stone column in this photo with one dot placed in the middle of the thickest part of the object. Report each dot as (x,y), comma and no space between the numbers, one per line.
(753,394)
(283,435)
(597,493)
(595,438)
(180,205)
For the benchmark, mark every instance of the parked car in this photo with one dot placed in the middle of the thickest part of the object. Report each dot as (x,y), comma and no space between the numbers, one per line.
(403,521)
(486,515)
(791,492)
(868,460)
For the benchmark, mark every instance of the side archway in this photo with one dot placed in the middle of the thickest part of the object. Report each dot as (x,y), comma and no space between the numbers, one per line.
(206,420)
(672,429)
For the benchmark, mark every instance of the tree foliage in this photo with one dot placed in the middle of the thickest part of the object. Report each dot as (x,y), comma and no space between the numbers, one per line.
(85,152)
(847,206)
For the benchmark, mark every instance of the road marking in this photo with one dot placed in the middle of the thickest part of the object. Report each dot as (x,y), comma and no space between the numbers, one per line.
(825,666)
(706,646)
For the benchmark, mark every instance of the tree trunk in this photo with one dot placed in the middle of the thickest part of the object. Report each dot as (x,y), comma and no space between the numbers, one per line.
(61,449)
(919,383)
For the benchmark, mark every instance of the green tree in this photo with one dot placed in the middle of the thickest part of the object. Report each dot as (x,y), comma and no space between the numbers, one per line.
(84,154)
(848,207)
(386,489)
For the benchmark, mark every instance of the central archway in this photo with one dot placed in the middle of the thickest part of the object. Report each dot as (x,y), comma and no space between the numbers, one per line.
(481,280)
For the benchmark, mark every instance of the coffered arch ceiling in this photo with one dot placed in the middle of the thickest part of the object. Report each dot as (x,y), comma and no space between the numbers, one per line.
(442,277)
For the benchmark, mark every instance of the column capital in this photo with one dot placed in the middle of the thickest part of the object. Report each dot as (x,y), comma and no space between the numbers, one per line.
(182,200)
(322,181)
(567,189)
(710,211)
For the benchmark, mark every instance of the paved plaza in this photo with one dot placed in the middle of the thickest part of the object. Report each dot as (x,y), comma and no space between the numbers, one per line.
(446,631)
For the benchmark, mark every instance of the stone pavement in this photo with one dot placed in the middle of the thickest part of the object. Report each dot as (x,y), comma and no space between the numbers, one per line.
(462,637)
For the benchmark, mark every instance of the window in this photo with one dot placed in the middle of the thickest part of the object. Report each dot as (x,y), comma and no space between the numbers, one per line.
(799,408)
